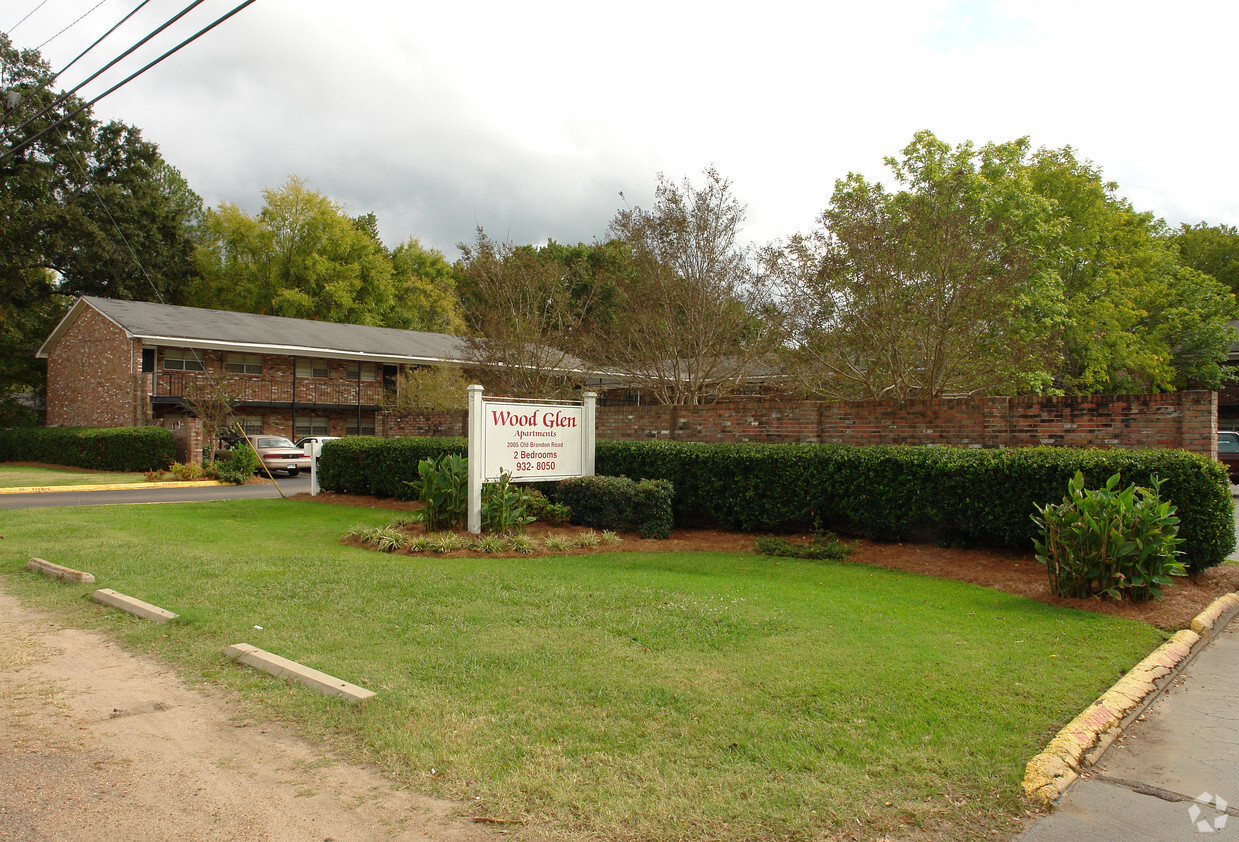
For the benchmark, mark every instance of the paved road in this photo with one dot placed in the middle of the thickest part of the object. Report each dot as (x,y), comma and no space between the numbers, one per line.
(1152,783)
(155,494)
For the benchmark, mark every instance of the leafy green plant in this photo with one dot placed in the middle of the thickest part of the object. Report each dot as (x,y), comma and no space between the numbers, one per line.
(609,537)
(588,539)
(523,544)
(240,466)
(557,543)
(446,542)
(443,488)
(1109,541)
(187,472)
(503,507)
(543,510)
(409,518)
(824,546)
(489,544)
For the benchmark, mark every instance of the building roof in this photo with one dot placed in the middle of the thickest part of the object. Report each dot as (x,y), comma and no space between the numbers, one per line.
(194,327)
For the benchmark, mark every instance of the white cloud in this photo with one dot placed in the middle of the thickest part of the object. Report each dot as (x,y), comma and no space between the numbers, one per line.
(530,120)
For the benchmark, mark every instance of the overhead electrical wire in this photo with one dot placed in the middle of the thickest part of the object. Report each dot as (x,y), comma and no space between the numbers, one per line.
(28,14)
(66,94)
(70,26)
(28,141)
(100,38)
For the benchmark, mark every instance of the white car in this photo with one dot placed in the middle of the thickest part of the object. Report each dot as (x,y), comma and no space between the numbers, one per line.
(312,446)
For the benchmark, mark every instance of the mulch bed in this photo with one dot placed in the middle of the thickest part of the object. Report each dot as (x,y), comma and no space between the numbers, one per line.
(1005,570)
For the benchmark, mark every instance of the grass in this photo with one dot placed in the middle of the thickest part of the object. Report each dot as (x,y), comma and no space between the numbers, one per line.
(23,476)
(609,696)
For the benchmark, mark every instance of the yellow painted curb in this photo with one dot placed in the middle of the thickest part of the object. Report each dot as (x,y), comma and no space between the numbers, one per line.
(119,486)
(1048,775)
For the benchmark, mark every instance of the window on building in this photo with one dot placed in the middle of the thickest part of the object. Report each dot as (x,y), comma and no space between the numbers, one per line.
(252,424)
(366,428)
(312,425)
(362,371)
(311,367)
(182,359)
(243,363)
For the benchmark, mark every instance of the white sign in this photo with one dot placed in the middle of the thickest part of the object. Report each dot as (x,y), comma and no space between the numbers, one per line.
(530,442)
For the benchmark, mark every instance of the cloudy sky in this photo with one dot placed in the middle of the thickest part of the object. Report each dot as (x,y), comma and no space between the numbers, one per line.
(530,119)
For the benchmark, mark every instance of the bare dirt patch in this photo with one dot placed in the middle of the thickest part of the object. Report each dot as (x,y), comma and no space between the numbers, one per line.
(103,744)
(1005,570)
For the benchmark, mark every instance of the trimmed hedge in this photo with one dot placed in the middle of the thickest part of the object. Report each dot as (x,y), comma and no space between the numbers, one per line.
(607,502)
(98,448)
(380,466)
(898,493)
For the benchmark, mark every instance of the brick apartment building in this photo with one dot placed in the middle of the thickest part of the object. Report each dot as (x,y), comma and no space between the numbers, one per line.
(132,363)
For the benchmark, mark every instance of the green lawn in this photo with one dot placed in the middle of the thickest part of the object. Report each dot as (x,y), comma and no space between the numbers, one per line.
(667,696)
(22,476)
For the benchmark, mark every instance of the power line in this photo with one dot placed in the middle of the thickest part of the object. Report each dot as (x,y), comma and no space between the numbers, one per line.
(65,95)
(28,14)
(100,38)
(70,26)
(25,143)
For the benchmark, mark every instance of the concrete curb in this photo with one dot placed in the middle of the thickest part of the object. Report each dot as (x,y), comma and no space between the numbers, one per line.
(59,572)
(326,684)
(120,486)
(136,607)
(1050,773)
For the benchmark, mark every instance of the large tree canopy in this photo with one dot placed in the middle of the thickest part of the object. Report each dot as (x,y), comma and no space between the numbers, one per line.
(997,270)
(301,256)
(85,208)
(693,318)
(928,291)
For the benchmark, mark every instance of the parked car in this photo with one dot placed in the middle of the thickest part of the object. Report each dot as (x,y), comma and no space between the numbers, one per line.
(312,446)
(1228,453)
(280,454)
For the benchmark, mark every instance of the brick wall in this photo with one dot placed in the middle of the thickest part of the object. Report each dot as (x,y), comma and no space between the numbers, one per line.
(1186,420)
(90,376)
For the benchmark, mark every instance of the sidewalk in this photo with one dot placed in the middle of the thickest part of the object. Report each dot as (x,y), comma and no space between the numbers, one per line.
(1150,783)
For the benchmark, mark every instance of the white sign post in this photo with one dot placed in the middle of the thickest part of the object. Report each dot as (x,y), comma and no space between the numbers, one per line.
(530,442)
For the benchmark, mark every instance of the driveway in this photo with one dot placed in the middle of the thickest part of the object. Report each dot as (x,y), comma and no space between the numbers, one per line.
(156,494)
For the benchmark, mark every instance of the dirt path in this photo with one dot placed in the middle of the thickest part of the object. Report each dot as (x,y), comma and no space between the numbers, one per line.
(98,743)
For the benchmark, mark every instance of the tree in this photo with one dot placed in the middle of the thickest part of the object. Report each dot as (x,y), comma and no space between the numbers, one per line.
(521,317)
(85,208)
(692,313)
(930,291)
(1212,249)
(301,256)
(1137,318)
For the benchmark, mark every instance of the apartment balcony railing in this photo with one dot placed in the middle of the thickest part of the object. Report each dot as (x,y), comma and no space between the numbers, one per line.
(176,386)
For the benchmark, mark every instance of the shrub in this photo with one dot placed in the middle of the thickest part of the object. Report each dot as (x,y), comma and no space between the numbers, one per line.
(379,466)
(616,502)
(242,464)
(543,510)
(824,546)
(899,493)
(503,507)
(444,490)
(1109,542)
(190,472)
(128,449)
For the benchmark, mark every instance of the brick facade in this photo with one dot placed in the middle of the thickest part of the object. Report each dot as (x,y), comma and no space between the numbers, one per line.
(1186,420)
(90,380)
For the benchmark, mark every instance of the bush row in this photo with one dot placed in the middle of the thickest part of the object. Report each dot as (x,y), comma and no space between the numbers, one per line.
(380,466)
(897,493)
(98,448)
(607,502)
